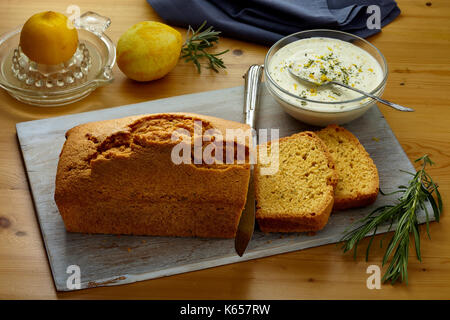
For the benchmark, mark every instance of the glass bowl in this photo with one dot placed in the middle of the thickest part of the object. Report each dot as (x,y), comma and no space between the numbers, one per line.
(71,81)
(322,113)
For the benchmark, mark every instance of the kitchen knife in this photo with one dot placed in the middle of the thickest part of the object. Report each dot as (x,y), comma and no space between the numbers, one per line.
(251,96)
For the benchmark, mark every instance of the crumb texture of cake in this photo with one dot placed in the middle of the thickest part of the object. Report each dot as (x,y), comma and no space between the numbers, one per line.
(118,177)
(358,181)
(299,197)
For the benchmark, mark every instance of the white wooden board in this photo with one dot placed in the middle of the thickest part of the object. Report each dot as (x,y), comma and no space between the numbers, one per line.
(111,260)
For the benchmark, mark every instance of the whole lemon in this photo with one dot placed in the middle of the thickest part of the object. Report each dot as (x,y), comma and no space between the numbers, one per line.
(148,50)
(48,38)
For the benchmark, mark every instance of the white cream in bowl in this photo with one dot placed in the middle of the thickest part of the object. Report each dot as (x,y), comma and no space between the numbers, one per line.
(320,59)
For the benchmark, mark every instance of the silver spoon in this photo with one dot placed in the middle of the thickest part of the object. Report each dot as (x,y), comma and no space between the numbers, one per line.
(299,78)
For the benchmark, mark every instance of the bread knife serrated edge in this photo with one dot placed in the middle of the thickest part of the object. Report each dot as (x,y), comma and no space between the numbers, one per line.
(246,225)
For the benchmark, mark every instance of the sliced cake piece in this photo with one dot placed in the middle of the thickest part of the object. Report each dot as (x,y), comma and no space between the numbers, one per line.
(299,196)
(358,181)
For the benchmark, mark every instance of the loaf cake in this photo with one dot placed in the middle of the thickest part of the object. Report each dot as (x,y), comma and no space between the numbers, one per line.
(299,197)
(358,181)
(118,177)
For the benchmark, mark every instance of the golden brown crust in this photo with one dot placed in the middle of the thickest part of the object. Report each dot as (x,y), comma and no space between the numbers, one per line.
(357,198)
(294,221)
(355,202)
(116,176)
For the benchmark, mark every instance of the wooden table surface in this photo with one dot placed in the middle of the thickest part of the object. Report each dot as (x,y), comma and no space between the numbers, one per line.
(417,48)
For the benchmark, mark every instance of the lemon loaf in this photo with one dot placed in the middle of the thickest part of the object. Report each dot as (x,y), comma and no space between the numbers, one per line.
(299,196)
(118,177)
(358,181)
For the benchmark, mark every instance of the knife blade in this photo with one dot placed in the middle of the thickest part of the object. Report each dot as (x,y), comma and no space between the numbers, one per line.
(246,225)
(247,221)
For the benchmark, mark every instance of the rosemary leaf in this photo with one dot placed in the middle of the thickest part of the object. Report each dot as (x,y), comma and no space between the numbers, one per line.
(194,49)
(403,216)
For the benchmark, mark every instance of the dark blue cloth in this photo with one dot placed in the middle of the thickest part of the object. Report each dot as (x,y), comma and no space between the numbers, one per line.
(266,21)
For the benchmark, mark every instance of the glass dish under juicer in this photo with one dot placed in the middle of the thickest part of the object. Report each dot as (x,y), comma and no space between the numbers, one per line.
(55,85)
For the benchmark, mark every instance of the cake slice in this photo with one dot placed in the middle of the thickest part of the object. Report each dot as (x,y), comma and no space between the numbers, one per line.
(358,181)
(299,196)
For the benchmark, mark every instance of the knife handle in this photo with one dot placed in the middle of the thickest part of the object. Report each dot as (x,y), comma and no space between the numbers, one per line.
(251,94)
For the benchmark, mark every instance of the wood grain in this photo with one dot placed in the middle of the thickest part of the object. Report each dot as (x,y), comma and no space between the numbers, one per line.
(417,48)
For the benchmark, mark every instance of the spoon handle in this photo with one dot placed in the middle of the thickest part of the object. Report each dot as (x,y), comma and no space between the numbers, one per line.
(391,104)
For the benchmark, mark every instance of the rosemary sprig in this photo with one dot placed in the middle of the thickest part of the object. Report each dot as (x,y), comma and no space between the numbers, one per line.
(194,49)
(403,216)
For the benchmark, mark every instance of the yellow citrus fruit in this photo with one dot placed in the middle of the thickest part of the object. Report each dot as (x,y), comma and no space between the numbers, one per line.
(148,50)
(47,39)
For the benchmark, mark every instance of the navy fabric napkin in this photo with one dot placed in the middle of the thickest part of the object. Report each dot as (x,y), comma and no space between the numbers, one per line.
(266,21)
